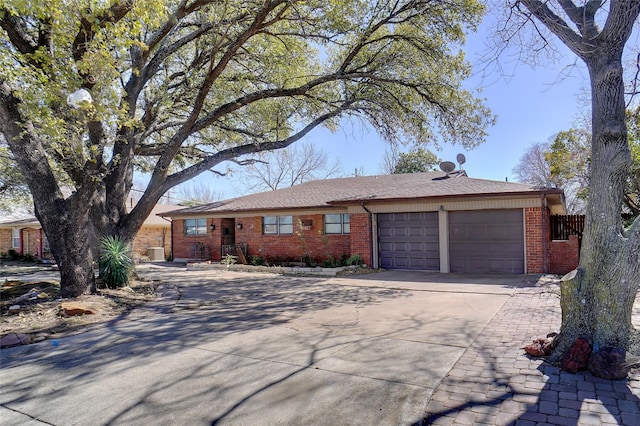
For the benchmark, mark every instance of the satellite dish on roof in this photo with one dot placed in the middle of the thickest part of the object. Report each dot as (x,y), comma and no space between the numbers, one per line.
(447,166)
(461,159)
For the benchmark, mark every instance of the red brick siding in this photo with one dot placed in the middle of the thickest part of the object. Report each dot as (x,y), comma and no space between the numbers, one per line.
(361,236)
(304,242)
(5,240)
(152,236)
(30,241)
(146,237)
(311,242)
(534,228)
(564,255)
(183,243)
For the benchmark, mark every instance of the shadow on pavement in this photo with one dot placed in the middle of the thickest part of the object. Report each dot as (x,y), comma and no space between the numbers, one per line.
(562,398)
(165,363)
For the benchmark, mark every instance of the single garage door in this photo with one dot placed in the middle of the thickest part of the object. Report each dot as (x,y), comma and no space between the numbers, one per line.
(409,241)
(486,241)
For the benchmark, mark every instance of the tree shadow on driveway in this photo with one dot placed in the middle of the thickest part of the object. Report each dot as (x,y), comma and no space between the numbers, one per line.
(118,372)
(494,382)
(551,397)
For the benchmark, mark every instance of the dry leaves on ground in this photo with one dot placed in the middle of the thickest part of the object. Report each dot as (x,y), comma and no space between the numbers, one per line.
(41,314)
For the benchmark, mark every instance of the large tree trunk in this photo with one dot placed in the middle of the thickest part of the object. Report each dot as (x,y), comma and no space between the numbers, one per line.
(597,301)
(72,247)
(65,221)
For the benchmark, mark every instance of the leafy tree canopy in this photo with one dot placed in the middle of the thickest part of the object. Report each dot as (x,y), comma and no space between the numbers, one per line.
(565,162)
(13,188)
(175,88)
(416,161)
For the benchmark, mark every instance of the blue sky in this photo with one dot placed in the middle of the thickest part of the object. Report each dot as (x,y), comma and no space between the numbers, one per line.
(531,106)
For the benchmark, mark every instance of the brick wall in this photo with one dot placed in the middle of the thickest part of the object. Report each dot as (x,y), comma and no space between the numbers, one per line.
(361,236)
(564,255)
(146,237)
(183,243)
(311,242)
(535,226)
(5,240)
(152,236)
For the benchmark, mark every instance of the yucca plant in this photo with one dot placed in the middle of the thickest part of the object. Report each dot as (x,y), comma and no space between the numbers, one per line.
(115,263)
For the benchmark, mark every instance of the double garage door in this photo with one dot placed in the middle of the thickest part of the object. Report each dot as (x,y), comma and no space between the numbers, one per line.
(483,241)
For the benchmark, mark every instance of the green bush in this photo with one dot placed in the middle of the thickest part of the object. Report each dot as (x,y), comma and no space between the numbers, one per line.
(229,260)
(115,262)
(353,260)
(257,260)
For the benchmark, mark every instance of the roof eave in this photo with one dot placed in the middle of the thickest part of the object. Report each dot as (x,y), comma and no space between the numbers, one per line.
(231,212)
(531,193)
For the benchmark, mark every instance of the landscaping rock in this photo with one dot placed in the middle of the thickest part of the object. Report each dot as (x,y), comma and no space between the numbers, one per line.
(71,309)
(542,346)
(577,357)
(14,309)
(14,339)
(609,363)
(30,295)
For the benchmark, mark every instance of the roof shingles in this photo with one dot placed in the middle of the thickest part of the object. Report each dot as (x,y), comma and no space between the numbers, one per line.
(328,192)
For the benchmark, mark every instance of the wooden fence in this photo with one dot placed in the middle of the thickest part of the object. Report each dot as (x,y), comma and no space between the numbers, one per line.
(564,225)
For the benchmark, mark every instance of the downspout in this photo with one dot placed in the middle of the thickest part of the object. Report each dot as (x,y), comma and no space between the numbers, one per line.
(370,234)
(40,252)
(171,238)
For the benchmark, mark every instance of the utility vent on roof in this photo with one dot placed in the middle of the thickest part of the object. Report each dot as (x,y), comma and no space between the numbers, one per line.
(449,168)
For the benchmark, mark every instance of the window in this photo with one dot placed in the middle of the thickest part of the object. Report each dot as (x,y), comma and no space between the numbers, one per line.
(15,238)
(278,225)
(337,224)
(195,227)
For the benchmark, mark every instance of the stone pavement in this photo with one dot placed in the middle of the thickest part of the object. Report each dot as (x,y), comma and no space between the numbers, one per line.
(495,383)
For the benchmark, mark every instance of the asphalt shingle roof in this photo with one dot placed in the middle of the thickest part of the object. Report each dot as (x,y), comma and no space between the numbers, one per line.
(153,219)
(327,192)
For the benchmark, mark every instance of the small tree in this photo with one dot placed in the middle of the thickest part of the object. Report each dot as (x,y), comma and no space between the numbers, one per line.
(565,163)
(533,167)
(196,194)
(416,160)
(287,167)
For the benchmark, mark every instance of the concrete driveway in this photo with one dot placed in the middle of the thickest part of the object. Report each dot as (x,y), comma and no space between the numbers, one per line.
(259,349)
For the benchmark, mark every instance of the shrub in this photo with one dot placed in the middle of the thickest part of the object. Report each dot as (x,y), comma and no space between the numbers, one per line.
(115,262)
(229,260)
(13,255)
(257,260)
(353,260)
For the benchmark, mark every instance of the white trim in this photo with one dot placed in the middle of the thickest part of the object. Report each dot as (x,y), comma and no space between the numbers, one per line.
(374,242)
(450,205)
(443,236)
(524,239)
(14,237)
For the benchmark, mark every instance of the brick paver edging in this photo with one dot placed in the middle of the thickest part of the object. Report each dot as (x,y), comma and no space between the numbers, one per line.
(495,383)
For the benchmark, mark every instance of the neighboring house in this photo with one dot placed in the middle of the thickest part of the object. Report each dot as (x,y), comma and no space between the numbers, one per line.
(423,221)
(25,236)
